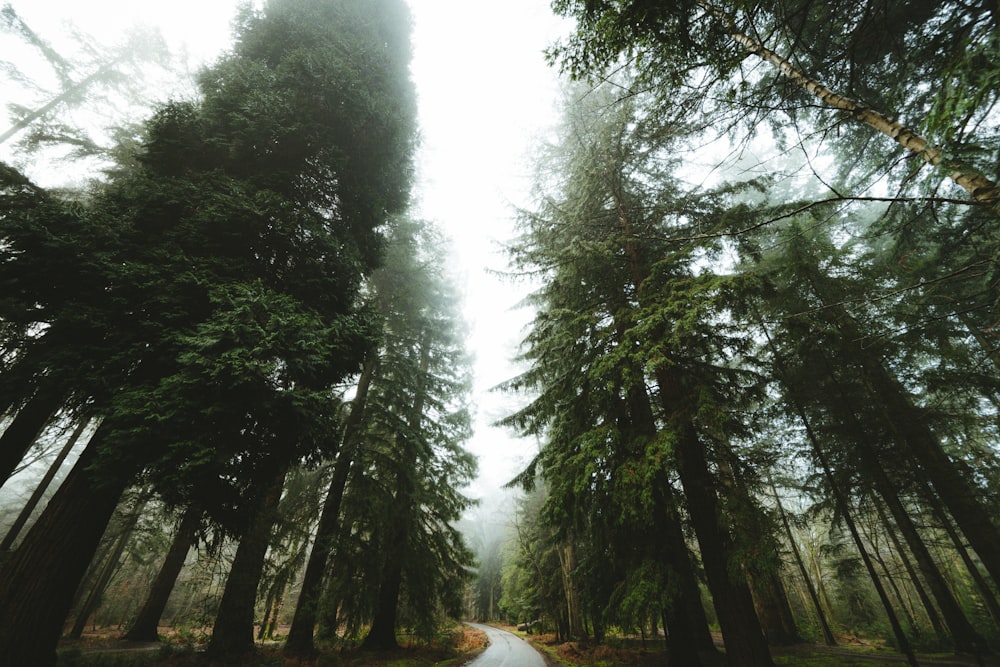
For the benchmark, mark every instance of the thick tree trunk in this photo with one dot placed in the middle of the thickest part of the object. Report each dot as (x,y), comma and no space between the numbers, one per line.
(842,505)
(688,634)
(38,582)
(985,592)
(301,634)
(232,635)
(382,635)
(910,429)
(22,432)
(567,566)
(144,629)
(771,601)
(965,638)
(741,631)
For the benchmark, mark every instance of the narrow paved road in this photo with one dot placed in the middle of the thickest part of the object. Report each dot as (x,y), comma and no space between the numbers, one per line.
(506,650)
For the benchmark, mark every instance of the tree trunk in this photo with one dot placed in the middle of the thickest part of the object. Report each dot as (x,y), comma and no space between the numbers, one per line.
(841,502)
(741,631)
(981,188)
(567,565)
(813,597)
(22,432)
(844,508)
(911,430)
(382,635)
(71,92)
(232,635)
(771,602)
(684,619)
(965,638)
(144,629)
(39,580)
(985,592)
(108,570)
(36,495)
(301,634)
(918,586)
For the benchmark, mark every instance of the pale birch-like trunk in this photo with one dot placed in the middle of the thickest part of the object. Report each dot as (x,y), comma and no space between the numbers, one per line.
(982,189)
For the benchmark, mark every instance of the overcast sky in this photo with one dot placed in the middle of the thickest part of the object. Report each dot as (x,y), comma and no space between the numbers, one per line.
(486,97)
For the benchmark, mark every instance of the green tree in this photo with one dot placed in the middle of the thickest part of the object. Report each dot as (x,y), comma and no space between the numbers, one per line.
(229,263)
(625,318)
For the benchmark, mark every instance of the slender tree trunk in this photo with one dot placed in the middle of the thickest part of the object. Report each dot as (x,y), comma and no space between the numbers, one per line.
(911,430)
(897,630)
(22,432)
(887,576)
(981,188)
(232,635)
(925,600)
(144,629)
(382,634)
(39,580)
(567,565)
(841,502)
(73,91)
(36,495)
(964,636)
(300,635)
(807,580)
(108,570)
(985,592)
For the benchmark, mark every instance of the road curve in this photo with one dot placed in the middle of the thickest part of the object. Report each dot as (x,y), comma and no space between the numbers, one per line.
(506,650)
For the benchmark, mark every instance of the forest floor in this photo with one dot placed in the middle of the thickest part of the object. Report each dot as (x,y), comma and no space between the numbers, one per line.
(851,652)
(102,648)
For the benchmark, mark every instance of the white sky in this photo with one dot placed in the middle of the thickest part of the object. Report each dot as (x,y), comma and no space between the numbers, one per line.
(486,97)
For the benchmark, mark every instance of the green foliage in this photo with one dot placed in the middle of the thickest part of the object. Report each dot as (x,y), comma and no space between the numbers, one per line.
(404,499)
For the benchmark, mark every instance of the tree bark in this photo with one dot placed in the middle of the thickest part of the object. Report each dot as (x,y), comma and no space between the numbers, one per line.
(232,635)
(108,570)
(814,598)
(144,629)
(301,634)
(22,432)
(985,592)
(841,502)
(38,582)
(925,600)
(687,629)
(741,631)
(567,566)
(382,635)
(911,430)
(36,495)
